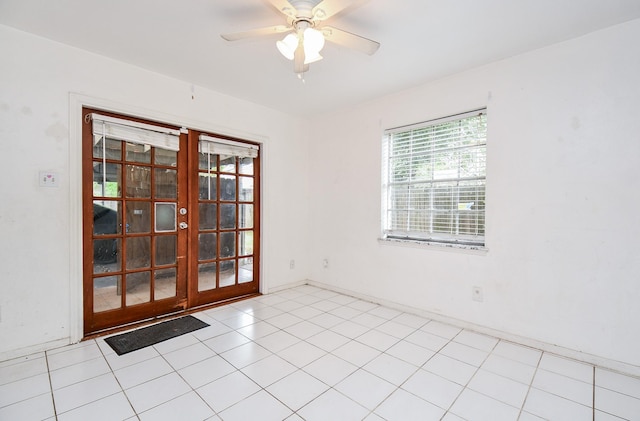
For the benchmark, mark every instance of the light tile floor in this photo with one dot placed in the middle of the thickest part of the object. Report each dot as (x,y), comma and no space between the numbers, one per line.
(311,354)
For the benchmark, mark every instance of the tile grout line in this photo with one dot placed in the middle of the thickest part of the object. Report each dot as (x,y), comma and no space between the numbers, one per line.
(116,378)
(593,401)
(420,367)
(447,411)
(215,413)
(174,370)
(370,411)
(350,340)
(304,340)
(466,386)
(253,340)
(53,399)
(531,384)
(398,387)
(438,353)
(323,312)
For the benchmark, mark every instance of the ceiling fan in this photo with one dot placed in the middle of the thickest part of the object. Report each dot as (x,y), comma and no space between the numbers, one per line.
(306,32)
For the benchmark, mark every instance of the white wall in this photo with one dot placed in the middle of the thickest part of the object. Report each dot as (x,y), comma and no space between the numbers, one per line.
(563,194)
(562,190)
(38,282)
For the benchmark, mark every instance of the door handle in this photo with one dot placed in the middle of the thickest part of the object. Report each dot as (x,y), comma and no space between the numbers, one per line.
(183,225)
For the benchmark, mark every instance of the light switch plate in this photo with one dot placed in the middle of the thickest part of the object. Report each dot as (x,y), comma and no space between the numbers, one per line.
(48,179)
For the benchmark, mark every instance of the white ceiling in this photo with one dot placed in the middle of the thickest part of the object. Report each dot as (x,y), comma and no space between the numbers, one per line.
(421,40)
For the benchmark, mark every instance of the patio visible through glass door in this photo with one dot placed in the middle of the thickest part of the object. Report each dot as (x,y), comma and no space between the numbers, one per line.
(227,242)
(171,220)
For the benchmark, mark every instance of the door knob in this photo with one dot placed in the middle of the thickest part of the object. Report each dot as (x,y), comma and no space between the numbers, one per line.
(183,225)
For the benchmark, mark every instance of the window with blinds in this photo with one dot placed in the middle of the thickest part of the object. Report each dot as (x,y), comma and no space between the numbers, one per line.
(434,177)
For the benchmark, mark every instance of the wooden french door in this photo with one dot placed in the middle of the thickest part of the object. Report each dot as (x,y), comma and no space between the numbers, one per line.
(168,224)
(224,240)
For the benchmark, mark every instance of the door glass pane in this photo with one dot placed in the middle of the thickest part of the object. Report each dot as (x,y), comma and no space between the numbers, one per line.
(206,276)
(207,161)
(166,183)
(138,252)
(138,181)
(166,157)
(207,246)
(106,293)
(246,216)
(245,270)
(246,189)
(107,217)
(227,273)
(138,217)
(166,250)
(227,216)
(207,216)
(227,187)
(245,243)
(105,255)
(138,153)
(164,283)
(246,166)
(165,217)
(138,288)
(208,186)
(227,163)
(111,150)
(106,180)
(227,244)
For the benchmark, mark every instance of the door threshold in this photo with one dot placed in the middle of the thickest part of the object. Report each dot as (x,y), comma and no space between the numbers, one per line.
(169,316)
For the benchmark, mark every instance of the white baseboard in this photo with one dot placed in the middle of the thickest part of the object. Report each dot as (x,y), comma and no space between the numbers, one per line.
(595,360)
(34,349)
(287,286)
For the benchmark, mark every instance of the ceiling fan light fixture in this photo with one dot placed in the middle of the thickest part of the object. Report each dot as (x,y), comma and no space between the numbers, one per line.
(306,33)
(288,45)
(311,58)
(313,41)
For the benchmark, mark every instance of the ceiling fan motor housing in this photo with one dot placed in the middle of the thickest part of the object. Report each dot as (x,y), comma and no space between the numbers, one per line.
(303,11)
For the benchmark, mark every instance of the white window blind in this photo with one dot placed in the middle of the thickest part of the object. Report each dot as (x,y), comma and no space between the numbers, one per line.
(434,180)
(135,132)
(218,146)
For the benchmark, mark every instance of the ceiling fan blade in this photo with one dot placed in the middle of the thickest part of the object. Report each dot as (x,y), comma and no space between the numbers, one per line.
(255,33)
(284,7)
(327,8)
(349,40)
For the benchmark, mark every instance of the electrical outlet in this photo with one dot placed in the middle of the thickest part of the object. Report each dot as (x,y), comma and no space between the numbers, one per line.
(477,294)
(292,264)
(325,263)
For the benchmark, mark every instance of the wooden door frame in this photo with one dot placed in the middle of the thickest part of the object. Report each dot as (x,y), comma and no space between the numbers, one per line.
(147,111)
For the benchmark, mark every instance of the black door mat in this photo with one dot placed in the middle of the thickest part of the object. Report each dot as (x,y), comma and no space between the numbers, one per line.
(151,335)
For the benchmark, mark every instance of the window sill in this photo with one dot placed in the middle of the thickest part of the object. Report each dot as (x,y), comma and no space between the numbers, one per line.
(481,250)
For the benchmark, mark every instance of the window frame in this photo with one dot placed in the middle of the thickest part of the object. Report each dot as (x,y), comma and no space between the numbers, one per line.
(430,185)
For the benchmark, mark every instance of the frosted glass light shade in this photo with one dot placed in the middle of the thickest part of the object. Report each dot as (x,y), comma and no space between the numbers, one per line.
(311,57)
(288,45)
(313,41)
